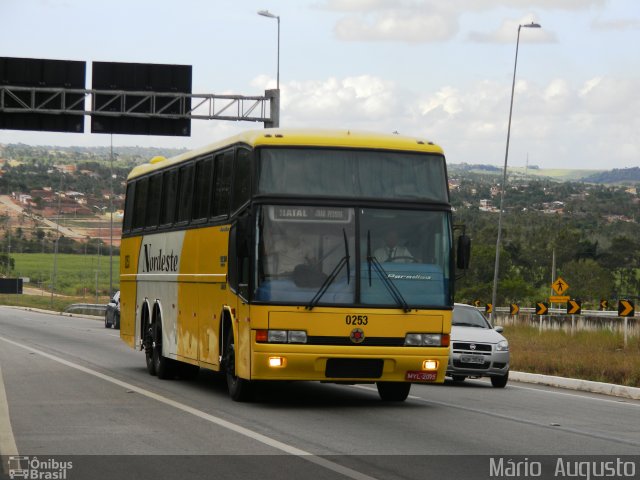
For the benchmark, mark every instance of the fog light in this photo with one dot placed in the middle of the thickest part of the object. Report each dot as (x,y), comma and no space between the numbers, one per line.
(430,365)
(276,362)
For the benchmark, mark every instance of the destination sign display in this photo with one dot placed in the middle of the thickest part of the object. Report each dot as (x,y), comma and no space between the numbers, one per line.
(288,213)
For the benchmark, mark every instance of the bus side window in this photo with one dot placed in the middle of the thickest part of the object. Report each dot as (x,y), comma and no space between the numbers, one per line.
(241,179)
(222,185)
(202,189)
(139,203)
(128,208)
(153,201)
(169,197)
(185,193)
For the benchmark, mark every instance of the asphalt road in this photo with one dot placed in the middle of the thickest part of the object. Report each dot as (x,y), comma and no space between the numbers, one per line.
(74,390)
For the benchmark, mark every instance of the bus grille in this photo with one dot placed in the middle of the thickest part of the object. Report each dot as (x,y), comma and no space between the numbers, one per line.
(368,341)
(354,368)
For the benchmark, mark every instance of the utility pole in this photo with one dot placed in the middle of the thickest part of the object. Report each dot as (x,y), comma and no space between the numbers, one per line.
(111,221)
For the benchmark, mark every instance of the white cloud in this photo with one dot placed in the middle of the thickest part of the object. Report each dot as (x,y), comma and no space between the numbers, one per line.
(421,21)
(396,26)
(558,124)
(616,24)
(507,33)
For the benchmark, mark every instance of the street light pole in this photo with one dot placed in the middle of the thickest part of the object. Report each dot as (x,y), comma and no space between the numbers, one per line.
(504,170)
(268,14)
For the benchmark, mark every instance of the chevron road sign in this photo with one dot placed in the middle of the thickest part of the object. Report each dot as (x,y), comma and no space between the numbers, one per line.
(542,308)
(514,309)
(626,308)
(574,307)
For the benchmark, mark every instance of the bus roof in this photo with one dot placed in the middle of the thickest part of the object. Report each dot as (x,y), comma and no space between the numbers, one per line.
(277,137)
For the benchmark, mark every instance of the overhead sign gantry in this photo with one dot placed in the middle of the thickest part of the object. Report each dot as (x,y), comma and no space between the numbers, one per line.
(126,98)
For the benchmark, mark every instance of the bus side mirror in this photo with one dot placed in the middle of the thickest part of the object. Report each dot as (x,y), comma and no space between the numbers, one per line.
(463,253)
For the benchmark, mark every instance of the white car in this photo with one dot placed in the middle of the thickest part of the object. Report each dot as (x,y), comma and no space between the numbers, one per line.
(477,349)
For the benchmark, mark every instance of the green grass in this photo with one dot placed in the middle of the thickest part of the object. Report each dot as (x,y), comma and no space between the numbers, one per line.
(555,173)
(598,356)
(44,302)
(75,274)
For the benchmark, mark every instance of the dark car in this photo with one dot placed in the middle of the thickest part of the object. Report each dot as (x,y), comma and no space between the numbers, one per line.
(112,314)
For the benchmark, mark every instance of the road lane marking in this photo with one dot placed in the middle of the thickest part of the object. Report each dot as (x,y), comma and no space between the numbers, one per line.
(7,440)
(283,447)
(515,419)
(622,401)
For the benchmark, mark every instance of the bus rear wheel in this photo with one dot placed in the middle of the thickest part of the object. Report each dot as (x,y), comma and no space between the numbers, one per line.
(163,366)
(239,388)
(393,391)
(147,344)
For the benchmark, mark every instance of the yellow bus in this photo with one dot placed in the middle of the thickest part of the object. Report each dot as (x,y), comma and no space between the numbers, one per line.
(293,255)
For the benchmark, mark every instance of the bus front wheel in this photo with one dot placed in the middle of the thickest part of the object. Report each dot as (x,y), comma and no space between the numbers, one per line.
(393,391)
(239,388)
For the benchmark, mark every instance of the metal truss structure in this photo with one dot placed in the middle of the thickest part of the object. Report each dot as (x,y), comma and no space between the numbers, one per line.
(129,104)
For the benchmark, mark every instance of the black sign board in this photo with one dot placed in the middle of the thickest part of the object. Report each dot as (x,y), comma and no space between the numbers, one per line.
(140,77)
(42,73)
(10,285)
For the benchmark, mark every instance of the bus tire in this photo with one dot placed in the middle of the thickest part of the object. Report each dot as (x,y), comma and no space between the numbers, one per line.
(147,344)
(164,366)
(239,388)
(393,391)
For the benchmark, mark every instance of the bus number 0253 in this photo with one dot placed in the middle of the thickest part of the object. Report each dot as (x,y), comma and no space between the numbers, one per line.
(356,319)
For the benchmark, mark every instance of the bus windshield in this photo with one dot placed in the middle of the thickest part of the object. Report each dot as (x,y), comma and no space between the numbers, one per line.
(352,173)
(308,255)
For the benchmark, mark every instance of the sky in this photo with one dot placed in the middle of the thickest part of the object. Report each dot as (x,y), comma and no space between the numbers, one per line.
(436,69)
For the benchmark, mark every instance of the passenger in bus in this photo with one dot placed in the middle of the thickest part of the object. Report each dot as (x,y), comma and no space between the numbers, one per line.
(391,251)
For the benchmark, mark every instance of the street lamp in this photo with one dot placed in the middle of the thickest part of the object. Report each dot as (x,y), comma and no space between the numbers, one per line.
(504,171)
(268,14)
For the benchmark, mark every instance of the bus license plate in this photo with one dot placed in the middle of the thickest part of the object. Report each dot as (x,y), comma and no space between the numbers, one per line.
(418,376)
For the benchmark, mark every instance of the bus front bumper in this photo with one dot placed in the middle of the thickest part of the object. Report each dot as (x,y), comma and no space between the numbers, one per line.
(348,364)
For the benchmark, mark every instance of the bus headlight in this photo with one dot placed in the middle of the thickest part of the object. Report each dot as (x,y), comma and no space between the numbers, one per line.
(277,336)
(281,336)
(426,340)
(297,336)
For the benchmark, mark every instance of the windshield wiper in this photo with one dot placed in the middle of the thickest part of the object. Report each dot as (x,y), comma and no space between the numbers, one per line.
(391,287)
(333,275)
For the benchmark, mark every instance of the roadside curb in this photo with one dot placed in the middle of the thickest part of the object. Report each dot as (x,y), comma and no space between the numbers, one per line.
(577,384)
(53,312)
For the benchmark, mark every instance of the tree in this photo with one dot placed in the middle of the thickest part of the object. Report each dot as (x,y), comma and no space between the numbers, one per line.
(589,281)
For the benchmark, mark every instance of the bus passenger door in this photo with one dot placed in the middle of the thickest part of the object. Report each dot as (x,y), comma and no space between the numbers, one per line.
(238,276)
